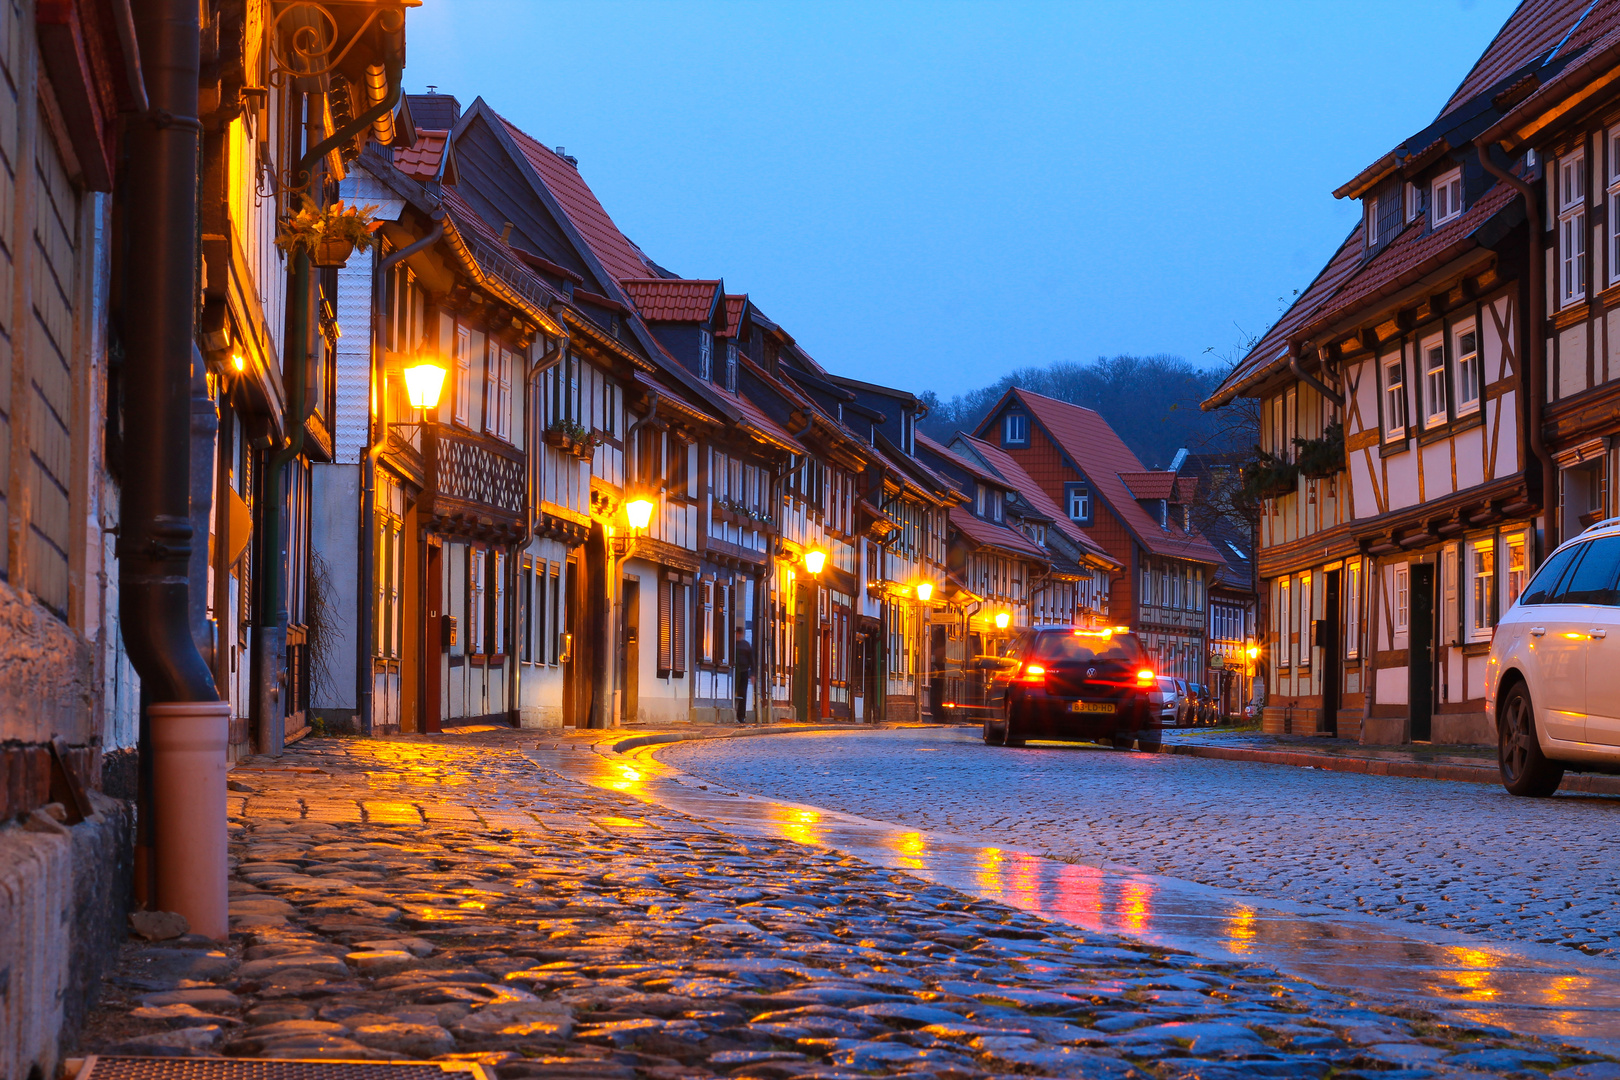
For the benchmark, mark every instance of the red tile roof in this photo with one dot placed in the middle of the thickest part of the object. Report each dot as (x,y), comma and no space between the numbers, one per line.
(423,159)
(734,311)
(1152,484)
(672,299)
(1004,464)
(1533,29)
(989,534)
(1102,456)
(618,256)
(1597,61)
(966,464)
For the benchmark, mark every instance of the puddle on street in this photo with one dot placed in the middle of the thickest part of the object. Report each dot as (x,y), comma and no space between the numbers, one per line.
(1540,991)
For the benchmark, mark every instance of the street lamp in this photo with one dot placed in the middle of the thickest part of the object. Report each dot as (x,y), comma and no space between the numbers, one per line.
(814,560)
(1002,619)
(925,591)
(424,382)
(638,512)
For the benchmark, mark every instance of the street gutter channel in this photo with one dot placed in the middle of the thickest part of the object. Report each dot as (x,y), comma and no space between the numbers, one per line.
(1527,989)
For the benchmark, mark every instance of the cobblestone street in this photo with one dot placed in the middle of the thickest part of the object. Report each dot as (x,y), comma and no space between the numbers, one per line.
(407,898)
(1457,856)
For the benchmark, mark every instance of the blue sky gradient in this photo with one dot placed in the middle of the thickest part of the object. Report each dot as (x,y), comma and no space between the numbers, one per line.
(932,194)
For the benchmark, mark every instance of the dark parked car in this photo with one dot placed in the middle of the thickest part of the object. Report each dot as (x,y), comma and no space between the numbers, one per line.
(1205,710)
(1074,685)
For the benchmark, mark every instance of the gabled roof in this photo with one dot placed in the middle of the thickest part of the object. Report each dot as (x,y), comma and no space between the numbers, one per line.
(1101,456)
(1535,27)
(674,299)
(1151,484)
(1005,465)
(1585,74)
(967,465)
(429,159)
(618,256)
(989,534)
(735,305)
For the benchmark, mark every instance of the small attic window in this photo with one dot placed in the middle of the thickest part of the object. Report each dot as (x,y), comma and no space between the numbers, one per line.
(1015,429)
(1445,197)
(1381,214)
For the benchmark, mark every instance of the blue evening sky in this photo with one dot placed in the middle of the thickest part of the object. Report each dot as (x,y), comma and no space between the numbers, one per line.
(931,194)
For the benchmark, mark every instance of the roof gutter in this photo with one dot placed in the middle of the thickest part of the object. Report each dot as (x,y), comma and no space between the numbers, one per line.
(1536,343)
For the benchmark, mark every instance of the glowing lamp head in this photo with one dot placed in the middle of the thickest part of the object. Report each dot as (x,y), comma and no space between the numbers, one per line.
(1002,620)
(238,362)
(1253,651)
(814,561)
(925,591)
(638,512)
(423,384)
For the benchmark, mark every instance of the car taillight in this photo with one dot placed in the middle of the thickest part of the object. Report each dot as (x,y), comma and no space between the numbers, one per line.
(1144,677)
(1032,673)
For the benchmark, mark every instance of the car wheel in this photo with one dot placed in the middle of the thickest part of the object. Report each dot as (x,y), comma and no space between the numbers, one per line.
(1008,727)
(1525,771)
(1149,742)
(995,732)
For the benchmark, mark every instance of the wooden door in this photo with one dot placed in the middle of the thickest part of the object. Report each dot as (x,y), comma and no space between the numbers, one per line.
(1420,653)
(804,614)
(629,650)
(432,660)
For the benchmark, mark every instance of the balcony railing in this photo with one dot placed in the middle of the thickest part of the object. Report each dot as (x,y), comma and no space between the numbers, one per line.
(476,476)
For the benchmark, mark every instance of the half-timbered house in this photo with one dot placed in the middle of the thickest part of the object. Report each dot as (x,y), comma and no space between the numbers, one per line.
(1140,517)
(1409,484)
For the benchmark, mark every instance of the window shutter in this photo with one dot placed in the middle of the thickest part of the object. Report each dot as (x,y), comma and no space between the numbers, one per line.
(664,627)
(1451,616)
(463,387)
(722,624)
(677,635)
(503,406)
(498,612)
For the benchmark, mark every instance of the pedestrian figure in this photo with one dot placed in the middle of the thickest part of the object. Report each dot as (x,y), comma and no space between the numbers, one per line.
(742,666)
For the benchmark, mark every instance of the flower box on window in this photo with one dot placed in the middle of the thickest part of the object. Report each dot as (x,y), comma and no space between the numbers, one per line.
(1322,457)
(1268,477)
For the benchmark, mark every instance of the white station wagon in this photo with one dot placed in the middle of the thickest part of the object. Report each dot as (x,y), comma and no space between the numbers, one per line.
(1553,683)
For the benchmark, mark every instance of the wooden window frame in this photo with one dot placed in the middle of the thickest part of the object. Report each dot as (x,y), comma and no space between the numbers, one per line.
(1015,429)
(1480,625)
(1612,196)
(1571,233)
(464,380)
(1470,367)
(1393,397)
(1436,411)
(1352,609)
(705,354)
(1446,197)
(1402,601)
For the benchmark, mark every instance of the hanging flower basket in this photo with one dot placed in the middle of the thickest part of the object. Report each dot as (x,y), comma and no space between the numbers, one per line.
(332,251)
(328,235)
(1324,457)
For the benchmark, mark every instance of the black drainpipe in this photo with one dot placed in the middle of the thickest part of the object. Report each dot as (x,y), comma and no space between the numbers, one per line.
(160,289)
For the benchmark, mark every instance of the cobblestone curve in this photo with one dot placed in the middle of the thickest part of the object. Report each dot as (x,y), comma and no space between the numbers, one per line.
(1463,857)
(451,900)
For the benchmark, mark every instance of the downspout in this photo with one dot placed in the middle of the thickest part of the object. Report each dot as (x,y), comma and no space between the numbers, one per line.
(1311,380)
(270,636)
(1535,382)
(186,720)
(376,443)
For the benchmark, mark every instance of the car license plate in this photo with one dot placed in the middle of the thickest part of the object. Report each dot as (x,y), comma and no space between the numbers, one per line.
(1092,707)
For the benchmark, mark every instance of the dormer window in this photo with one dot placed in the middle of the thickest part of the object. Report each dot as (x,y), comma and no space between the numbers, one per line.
(981,499)
(705,355)
(995,506)
(1381,214)
(1015,429)
(731,366)
(1445,198)
(1077,502)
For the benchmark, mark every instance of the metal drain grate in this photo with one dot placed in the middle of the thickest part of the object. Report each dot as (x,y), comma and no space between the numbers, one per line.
(177,1068)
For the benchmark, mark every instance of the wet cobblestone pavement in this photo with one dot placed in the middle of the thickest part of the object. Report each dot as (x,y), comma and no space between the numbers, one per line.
(1460,857)
(450,899)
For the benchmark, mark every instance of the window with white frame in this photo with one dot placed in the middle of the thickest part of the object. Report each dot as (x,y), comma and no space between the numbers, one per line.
(498,609)
(1434,383)
(1402,598)
(1518,569)
(1414,202)
(1572,228)
(1470,370)
(1307,627)
(464,376)
(1394,398)
(1614,205)
(477,601)
(1445,198)
(1369,214)
(1078,499)
(498,390)
(705,354)
(1285,623)
(1352,610)
(1015,429)
(731,366)
(1482,597)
